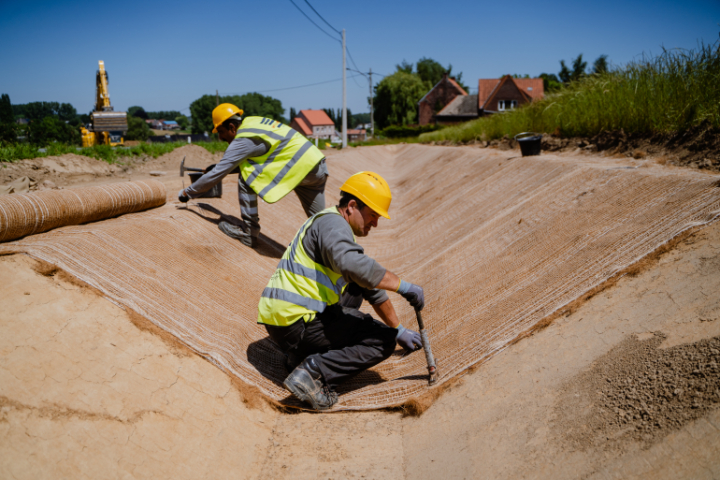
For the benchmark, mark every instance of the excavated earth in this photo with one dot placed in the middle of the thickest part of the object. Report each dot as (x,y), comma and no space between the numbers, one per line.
(625,385)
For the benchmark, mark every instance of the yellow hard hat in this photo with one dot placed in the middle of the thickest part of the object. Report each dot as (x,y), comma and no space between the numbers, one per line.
(222,112)
(372,189)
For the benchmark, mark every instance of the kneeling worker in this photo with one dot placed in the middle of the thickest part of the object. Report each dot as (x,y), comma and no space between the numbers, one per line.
(310,306)
(272,159)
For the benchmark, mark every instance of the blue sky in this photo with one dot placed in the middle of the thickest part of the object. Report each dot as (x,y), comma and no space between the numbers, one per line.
(164,56)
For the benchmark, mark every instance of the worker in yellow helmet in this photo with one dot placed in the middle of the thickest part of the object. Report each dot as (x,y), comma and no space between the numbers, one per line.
(272,160)
(310,305)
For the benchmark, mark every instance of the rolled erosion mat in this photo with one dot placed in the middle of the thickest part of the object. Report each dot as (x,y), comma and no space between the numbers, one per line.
(30,213)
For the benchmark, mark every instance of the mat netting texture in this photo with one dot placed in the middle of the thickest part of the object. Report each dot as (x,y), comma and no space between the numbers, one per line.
(37,212)
(499,243)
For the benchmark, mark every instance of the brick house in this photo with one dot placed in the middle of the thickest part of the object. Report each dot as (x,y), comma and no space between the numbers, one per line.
(356,135)
(507,93)
(313,124)
(444,92)
(461,109)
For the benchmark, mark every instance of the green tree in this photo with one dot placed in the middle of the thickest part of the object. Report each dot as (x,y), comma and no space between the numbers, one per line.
(163,114)
(68,114)
(360,118)
(39,110)
(52,129)
(551,83)
(138,129)
(600,65)
(404,67)
(137,111)
(578,70)
(182,120)
(432,72)
(293,113)
(252,104)
(396,98)
(6,110)
(8,133)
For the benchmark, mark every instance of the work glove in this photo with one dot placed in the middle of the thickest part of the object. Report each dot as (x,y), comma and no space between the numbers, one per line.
(408,339)
(413,294)
(182,196)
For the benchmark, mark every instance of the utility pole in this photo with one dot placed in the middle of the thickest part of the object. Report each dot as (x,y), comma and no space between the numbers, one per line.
(344,120)
(217,98)
(372,122)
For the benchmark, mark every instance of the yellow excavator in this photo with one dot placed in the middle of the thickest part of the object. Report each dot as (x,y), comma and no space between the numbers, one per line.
(108,126)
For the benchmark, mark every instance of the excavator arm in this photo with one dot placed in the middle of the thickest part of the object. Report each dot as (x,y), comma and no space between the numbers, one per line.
(104,119)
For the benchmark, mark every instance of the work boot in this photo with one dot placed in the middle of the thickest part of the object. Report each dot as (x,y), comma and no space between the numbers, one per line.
(237,233)
(307,384)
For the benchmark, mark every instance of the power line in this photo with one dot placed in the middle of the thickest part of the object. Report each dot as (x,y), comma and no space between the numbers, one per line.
(321,18)
(357,69)
(292,88)
(311,21)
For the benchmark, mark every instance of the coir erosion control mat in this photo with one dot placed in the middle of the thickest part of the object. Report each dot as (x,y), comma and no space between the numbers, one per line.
(498,242)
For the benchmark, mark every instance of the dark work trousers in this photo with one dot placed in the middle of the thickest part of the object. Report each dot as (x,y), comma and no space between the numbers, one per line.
(344,340)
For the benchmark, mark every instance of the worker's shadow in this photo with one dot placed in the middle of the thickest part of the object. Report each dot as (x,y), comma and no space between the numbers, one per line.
(267,359)
(266,245)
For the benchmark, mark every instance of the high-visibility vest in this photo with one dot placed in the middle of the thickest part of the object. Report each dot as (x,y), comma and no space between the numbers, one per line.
(286,163)
(300,287)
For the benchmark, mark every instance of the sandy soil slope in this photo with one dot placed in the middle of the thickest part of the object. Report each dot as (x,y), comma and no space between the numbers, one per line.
(67,170)
(89,391)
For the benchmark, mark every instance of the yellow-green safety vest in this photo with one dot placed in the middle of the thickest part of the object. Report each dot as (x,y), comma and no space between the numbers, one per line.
(286,163)
(300,287)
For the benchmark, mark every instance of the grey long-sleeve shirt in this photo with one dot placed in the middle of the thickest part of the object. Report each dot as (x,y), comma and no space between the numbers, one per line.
(329,241)
(238,150)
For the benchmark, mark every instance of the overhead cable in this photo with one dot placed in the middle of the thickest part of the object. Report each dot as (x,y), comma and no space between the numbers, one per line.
(292,88)
(318,26)
(321,18)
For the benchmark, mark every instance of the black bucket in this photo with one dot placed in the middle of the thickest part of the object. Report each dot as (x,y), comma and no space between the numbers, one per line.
(214,192)
(529,145)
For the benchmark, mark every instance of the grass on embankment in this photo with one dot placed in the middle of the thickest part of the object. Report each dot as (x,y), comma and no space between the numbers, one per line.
(20,151)
(668,93)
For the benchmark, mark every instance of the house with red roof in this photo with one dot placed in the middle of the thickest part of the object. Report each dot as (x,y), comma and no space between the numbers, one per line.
(507,93)
(444,92)
(313,124)
(447,103)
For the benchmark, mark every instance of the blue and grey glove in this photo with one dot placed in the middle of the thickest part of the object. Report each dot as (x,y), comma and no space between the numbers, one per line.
(408,339)
(182,196)
(413,294)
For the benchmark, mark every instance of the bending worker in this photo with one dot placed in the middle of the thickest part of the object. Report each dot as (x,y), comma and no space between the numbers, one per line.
(272,159)
(310,306)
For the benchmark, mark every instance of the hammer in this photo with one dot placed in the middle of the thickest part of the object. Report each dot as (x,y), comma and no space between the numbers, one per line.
(184,169)
(432,368)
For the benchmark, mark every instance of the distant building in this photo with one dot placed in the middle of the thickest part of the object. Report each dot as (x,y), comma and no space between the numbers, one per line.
(155,124)
(444,92)
(461,109)
(447,102)
(356,135)
(313,124)
(507,93)
(170,125)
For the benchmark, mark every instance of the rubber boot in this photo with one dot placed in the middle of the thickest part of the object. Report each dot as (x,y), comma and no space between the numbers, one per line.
(307,384)
(237,233)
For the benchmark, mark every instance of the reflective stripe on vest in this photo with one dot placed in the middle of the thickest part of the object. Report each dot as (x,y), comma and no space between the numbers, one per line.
(300,287)
(286,163)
